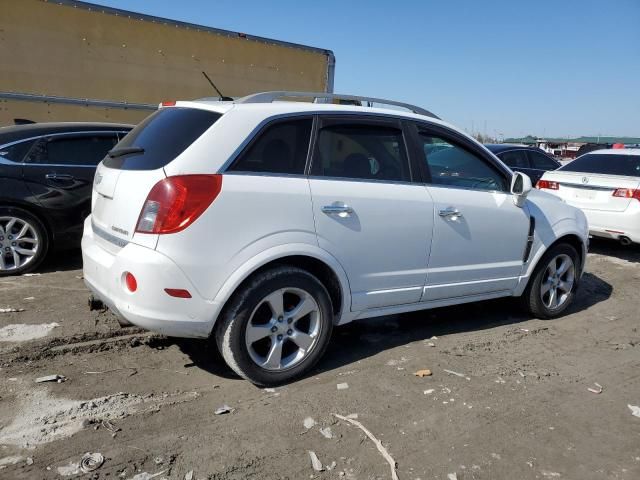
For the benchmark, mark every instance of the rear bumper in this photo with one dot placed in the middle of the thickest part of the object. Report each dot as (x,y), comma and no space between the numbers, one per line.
(149,306)
(615,224)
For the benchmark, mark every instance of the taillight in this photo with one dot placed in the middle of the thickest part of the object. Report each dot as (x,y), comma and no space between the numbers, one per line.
(548,184)
(130,281)
(174,203)
(627,193)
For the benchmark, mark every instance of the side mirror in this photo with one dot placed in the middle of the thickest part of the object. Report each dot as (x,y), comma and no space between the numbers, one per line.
(520,188)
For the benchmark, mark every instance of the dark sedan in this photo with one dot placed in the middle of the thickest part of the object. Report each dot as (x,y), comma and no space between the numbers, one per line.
(529,160)
(46,177)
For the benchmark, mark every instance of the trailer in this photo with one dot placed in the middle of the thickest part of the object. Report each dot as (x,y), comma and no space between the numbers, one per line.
(67,60)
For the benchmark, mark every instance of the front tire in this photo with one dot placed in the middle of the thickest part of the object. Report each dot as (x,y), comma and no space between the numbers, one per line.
(23,241)
(277,327)
(552,286)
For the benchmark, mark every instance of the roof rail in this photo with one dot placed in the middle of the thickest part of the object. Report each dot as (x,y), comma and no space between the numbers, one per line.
(268,97)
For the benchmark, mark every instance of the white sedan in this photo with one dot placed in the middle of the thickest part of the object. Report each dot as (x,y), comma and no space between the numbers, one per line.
(605,184)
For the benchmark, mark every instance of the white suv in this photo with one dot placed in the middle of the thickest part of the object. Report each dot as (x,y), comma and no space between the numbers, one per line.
(263,223)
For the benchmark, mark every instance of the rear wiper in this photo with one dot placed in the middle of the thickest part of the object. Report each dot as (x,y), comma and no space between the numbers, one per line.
(119,152)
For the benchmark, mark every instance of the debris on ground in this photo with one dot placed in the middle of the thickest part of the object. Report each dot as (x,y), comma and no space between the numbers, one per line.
(326,432)
(146,475)
(223,410)
(353,416)
(331,466)
(392,463)
(29,461)
(21,332)
(596,390)
(457,374)
(12,460)
(635,410)
(431,344)
(452,476)
(29,298)
(429,391)
(51,378)
(315,461)
(308,422)
(11,310)
(342,386)
(270,390)
(31,274)
(425,372)
(188,475)
(91,462)
(68,470)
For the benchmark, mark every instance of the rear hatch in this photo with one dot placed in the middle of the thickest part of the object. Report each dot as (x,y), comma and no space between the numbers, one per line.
(597,181)
(127,174)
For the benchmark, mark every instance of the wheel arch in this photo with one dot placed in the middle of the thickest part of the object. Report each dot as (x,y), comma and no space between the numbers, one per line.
(36,212)
(312,259)
(570,238)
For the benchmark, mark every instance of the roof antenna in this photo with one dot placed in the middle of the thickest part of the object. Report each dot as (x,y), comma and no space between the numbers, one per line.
(222,97)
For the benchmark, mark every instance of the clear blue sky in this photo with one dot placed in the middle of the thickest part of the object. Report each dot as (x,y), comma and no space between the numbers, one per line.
(545,67)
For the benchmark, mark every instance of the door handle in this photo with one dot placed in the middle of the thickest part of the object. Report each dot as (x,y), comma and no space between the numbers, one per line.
(58,176)
(450,212)
(337,209)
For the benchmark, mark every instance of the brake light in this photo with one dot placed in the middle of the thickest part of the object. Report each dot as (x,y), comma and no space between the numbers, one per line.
(627,193)
(174,203)
(548,184)
(168,103)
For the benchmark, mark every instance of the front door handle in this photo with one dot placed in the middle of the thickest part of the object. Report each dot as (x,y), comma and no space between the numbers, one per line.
(450,212)
(341,210)
(58,176)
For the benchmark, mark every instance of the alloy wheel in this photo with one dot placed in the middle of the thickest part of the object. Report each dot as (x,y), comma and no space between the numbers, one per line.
(557,281)
(283,329)
(19,243)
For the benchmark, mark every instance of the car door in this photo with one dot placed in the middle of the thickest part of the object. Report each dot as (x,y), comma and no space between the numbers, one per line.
(59,172)
(368,213)
(479,235)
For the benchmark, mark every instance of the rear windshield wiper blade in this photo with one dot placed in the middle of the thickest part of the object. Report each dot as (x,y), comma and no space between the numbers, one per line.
(119,152)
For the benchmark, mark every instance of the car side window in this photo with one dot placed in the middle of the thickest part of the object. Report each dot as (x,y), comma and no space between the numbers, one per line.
(85,150)
(515,159)
(541,161)
(17,151)
(455,166)
(361,151)
(281,147)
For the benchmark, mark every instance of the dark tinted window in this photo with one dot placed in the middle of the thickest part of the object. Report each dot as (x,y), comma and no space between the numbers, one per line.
(16,152)
(163,135)
(455,166)
(515,159)
(366,152)
(72,150)
(541,161)
(609,164)
(280,148)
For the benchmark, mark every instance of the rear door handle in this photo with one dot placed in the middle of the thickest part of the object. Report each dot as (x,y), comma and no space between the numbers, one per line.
(337,209)
(450,212)
(58,176)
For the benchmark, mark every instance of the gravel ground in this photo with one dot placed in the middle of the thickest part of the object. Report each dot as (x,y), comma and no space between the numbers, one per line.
(521,408)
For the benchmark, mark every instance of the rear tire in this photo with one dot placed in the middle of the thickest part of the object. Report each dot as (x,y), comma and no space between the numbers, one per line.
(23,241)
(552,285)
(277,327)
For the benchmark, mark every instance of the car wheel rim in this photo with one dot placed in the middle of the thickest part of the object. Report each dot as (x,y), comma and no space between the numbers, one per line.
(19,243)
(557,282)
(283,329)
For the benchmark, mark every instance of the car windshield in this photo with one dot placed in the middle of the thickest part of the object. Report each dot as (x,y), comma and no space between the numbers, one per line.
(160,138)
(608,164)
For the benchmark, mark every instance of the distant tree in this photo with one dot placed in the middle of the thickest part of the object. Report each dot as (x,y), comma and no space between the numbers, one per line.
(484,138)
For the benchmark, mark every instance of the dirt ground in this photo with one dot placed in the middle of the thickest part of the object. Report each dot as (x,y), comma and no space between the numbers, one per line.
(520,410)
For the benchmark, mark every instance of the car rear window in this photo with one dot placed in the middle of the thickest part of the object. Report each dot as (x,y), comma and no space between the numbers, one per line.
(163,135)
(608,164)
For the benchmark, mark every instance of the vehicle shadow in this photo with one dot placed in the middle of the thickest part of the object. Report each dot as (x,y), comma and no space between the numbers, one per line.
(611,248)
(61,261)
(365,338)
